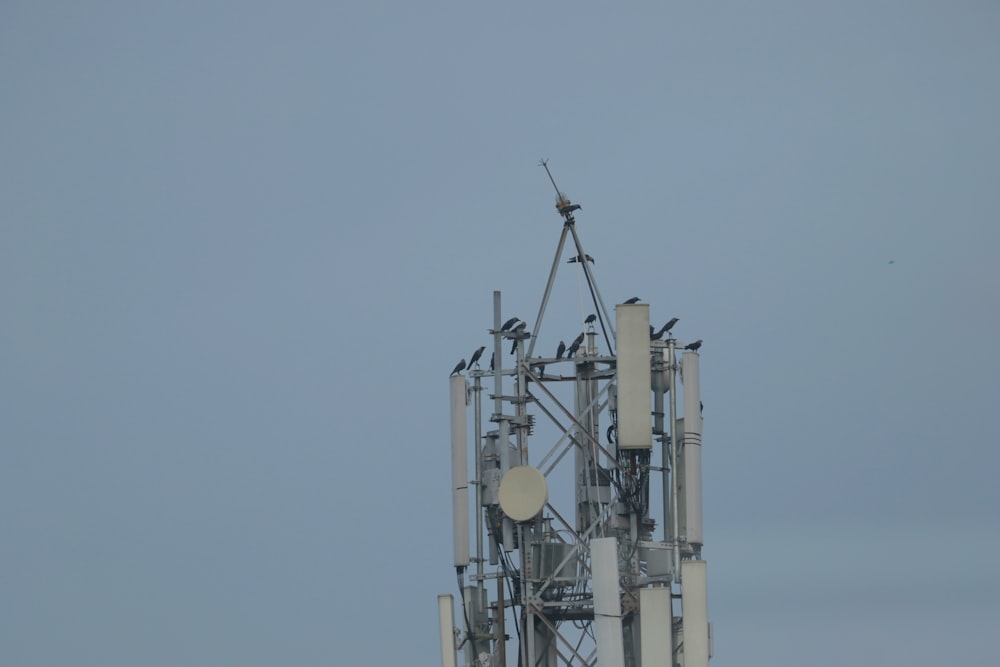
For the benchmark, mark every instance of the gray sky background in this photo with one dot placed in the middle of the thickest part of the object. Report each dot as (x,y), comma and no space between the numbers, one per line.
(242,244)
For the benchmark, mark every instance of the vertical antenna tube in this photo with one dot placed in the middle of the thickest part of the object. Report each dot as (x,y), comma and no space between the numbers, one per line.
(446,619)
(479,481)
(501,625)
(674,522)
(692,447)
(459,471)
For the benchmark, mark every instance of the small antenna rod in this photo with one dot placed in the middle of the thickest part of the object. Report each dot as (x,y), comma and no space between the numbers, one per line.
(545,163)
(563,204)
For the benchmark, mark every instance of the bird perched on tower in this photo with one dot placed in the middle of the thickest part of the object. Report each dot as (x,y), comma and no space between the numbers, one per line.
(459,368)
(509,323)
(634,299)
(474,361)
(694,347)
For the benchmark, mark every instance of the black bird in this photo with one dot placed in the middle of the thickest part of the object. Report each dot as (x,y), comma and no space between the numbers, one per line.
(634,299)
(513,346)
(590,318)
(577,342)
(509,323)
(574,260)
(560,350)
(475,356)
(701,407)
(459,368)
(520,327)
(693,346)
(669,325)
(654,336)
(492,356)
(572,349)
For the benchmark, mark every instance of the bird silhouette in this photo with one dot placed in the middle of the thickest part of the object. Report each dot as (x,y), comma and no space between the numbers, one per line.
(475,356)
(694,347)
(590,318)
(578,341)
(560,350)
(653,334)
(492,356)
(634,299)
(669,325)
(572,349)
(459,368)
(509,323)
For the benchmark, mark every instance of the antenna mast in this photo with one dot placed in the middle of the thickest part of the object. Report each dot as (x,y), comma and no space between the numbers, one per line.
(570,553)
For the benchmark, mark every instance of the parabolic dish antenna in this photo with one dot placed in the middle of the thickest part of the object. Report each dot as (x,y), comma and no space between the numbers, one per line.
(523,493)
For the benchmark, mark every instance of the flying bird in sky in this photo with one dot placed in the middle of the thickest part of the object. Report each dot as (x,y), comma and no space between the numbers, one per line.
(459,368)
(694,347)
(509,323)
(560,350)
(475,356)
(634,299)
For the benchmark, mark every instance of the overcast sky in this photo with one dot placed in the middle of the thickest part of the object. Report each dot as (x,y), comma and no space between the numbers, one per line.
(243,244)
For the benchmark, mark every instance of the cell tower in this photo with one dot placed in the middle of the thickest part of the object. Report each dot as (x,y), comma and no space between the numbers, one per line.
(573,563)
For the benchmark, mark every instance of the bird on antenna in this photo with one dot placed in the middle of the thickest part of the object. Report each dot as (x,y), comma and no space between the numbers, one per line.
(694,347)
(590,319)
(459,368)
(474,361)
(492,357)
(634,299)
(519,330)
(578,341)
(571,352)
(509,323)
(560,350)
(654,334)
(669,325)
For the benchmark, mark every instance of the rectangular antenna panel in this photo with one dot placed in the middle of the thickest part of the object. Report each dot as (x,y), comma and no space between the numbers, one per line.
(446,620)
(694,610)
(607,602)
(654,623)
(459,472)
(635,428)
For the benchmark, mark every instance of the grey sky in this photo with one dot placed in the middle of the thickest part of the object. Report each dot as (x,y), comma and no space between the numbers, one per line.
(242,244)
